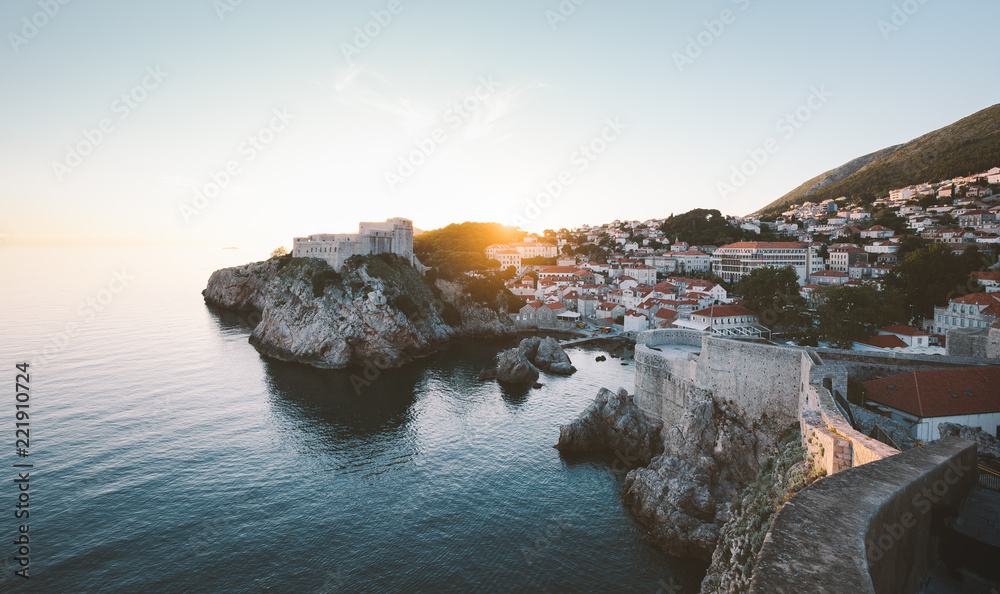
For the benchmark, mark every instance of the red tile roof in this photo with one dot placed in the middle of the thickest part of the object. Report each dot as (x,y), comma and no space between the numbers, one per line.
(981,275)
(904,330)
(723,311)
(665,314)
(990,300)
(940,392)
(833,273)
(777,245)
(886,341)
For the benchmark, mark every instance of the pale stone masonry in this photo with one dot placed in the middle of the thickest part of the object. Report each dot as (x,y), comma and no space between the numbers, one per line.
(395,236)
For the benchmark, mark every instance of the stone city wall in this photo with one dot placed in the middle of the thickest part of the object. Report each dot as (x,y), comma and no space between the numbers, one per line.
(868,529)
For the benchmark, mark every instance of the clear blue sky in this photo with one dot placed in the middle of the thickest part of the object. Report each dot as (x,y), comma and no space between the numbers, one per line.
(545,87)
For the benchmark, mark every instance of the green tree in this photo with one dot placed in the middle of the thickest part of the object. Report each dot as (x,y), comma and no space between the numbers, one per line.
(910,244)
(848,314)
(279,251)
(773,294)
(460,248)
(932,276)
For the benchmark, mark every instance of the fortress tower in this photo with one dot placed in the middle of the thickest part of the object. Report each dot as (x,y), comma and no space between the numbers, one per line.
(394,236)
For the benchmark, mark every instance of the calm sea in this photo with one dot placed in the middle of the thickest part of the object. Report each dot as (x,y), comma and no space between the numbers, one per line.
(169,456)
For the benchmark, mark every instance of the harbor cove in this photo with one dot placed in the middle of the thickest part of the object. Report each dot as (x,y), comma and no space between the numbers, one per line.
(178,458)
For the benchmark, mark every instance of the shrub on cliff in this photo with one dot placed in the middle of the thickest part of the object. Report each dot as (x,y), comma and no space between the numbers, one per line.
(752,513)
(451,315)
(322,280)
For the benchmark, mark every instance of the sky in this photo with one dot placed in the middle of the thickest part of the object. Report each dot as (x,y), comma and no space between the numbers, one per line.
(249,122)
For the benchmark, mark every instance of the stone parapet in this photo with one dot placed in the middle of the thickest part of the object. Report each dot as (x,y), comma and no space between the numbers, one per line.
(868,529)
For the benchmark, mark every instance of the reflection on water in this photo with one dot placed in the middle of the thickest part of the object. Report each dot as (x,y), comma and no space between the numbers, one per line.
(173,457)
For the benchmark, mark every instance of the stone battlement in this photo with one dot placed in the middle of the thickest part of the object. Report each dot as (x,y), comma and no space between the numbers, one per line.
(864,528)
(394,236)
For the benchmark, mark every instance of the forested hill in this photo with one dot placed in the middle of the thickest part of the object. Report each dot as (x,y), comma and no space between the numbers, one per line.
(971,145)
(460,246)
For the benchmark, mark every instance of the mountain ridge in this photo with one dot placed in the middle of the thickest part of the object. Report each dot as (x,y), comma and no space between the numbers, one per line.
(970,145)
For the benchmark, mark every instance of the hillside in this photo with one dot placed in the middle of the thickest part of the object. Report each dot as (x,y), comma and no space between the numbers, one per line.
(968,146)
(460,247)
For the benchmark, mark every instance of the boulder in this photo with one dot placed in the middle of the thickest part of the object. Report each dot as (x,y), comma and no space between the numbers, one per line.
(613,422)
(514,368)
(529,347)
(551,357)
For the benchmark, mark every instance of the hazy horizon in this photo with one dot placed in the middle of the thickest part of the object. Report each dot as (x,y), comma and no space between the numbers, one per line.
(225,123)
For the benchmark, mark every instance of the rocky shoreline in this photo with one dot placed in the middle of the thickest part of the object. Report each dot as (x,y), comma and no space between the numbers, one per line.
(685,479)
(377,311)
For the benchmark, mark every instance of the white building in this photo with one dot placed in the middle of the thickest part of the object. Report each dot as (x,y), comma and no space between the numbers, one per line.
(843,256)
(924,399)
(911,336)
(508,258)
(976,310)
(728,320)
(395,236)
(692,261)
(735,260)
(636,322)
(527,249)
(877,232)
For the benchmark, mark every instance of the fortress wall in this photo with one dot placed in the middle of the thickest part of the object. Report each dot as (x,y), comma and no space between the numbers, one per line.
(772,386)
(824,448)
(863,449)
(967,343)
(993,343)
(867,529)
(868,365)
(664,388)
(761,381)
(671,336)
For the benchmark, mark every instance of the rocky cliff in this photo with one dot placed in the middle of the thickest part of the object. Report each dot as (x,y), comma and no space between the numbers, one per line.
(614,423)
(751,514)
(683,495)
(378,311)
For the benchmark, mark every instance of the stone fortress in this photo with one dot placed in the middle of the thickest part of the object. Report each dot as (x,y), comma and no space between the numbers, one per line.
(829,537)
(395,236)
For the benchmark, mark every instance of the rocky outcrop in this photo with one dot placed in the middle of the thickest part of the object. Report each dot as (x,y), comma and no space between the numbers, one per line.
(521,364)
(551,357)
(987,444)
(378,311)
(613,422)
(513,367)
(683,495)
(242,288)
